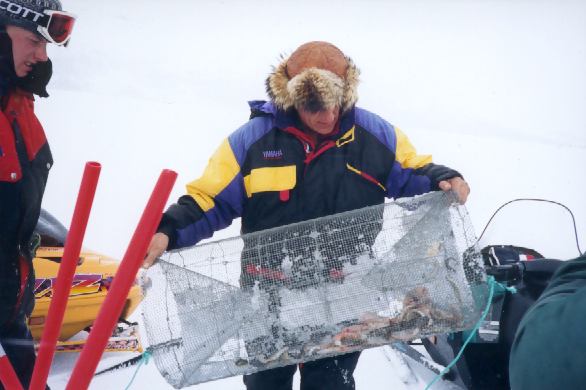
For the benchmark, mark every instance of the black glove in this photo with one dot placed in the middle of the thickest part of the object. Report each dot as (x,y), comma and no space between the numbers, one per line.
(37,79)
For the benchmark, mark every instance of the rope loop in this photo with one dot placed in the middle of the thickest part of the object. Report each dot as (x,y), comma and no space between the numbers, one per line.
(492,284)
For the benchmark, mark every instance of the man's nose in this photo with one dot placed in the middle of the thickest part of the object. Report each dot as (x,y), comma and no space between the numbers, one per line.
(327,115)
(41,52)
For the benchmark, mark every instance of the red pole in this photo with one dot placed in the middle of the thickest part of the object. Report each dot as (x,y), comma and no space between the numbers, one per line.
(114,303)
(8,377)
(62,288)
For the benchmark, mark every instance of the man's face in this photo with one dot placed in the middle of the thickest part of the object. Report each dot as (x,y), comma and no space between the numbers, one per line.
(322,122)
(28,48)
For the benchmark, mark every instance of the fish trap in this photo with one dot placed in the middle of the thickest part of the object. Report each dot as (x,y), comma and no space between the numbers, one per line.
(329,286)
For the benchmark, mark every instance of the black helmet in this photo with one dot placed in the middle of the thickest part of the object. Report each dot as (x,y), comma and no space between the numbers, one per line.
(44,17)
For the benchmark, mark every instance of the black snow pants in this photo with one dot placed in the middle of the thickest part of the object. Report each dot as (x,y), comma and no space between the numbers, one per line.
(17,341)
(325,374)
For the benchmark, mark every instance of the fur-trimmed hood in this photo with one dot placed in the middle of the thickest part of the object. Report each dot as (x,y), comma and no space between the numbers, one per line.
(315,77)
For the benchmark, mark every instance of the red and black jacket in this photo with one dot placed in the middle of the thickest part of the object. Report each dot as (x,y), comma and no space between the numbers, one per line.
(25,161)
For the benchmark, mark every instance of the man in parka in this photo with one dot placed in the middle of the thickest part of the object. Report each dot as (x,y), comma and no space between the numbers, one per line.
(26,26)
(307,153)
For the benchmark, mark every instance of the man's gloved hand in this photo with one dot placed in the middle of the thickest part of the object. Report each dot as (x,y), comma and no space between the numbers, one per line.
(37,79)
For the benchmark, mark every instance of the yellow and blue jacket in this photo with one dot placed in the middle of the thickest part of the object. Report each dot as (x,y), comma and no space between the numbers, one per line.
(271,173)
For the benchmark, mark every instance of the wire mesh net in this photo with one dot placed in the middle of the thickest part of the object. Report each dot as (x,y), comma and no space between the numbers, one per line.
(324,287)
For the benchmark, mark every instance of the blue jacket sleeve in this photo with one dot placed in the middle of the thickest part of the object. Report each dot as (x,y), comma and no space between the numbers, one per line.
(412,173)
(211,202)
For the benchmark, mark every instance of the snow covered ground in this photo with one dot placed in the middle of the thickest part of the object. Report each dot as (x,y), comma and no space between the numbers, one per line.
(495,89)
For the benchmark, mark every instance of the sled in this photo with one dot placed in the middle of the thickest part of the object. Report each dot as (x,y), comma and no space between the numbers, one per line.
(126,338)
(485,360)
(421,369)
(93,277)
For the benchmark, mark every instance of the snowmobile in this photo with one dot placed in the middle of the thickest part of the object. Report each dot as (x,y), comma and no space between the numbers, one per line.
(93,277)
(485,361)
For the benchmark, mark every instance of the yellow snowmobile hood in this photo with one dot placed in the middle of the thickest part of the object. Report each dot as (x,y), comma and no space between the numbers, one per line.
(93,277)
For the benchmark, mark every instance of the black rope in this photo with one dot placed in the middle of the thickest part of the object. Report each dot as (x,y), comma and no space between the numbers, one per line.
(127,363)
(537,200)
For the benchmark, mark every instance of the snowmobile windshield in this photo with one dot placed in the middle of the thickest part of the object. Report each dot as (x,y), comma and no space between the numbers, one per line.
(52,232)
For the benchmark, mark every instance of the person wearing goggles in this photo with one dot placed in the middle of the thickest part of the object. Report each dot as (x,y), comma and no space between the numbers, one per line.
(26,26)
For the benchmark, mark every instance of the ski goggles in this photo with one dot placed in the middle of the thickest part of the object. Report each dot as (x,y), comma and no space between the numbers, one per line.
(56,26)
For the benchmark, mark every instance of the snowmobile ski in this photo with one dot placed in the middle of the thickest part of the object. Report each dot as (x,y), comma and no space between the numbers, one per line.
(423,367)
(124,340)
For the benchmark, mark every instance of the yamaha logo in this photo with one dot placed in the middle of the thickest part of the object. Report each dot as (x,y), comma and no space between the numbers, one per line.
(20,11)
(272,154)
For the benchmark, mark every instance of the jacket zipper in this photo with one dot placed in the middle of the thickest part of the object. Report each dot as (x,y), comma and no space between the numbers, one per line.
(309,146)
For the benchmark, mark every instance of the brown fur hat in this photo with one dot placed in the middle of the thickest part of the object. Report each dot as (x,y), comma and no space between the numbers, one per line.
(315,77)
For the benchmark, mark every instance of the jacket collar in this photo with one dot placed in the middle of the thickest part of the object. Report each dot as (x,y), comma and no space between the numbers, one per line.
(6,79)
(290,118)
